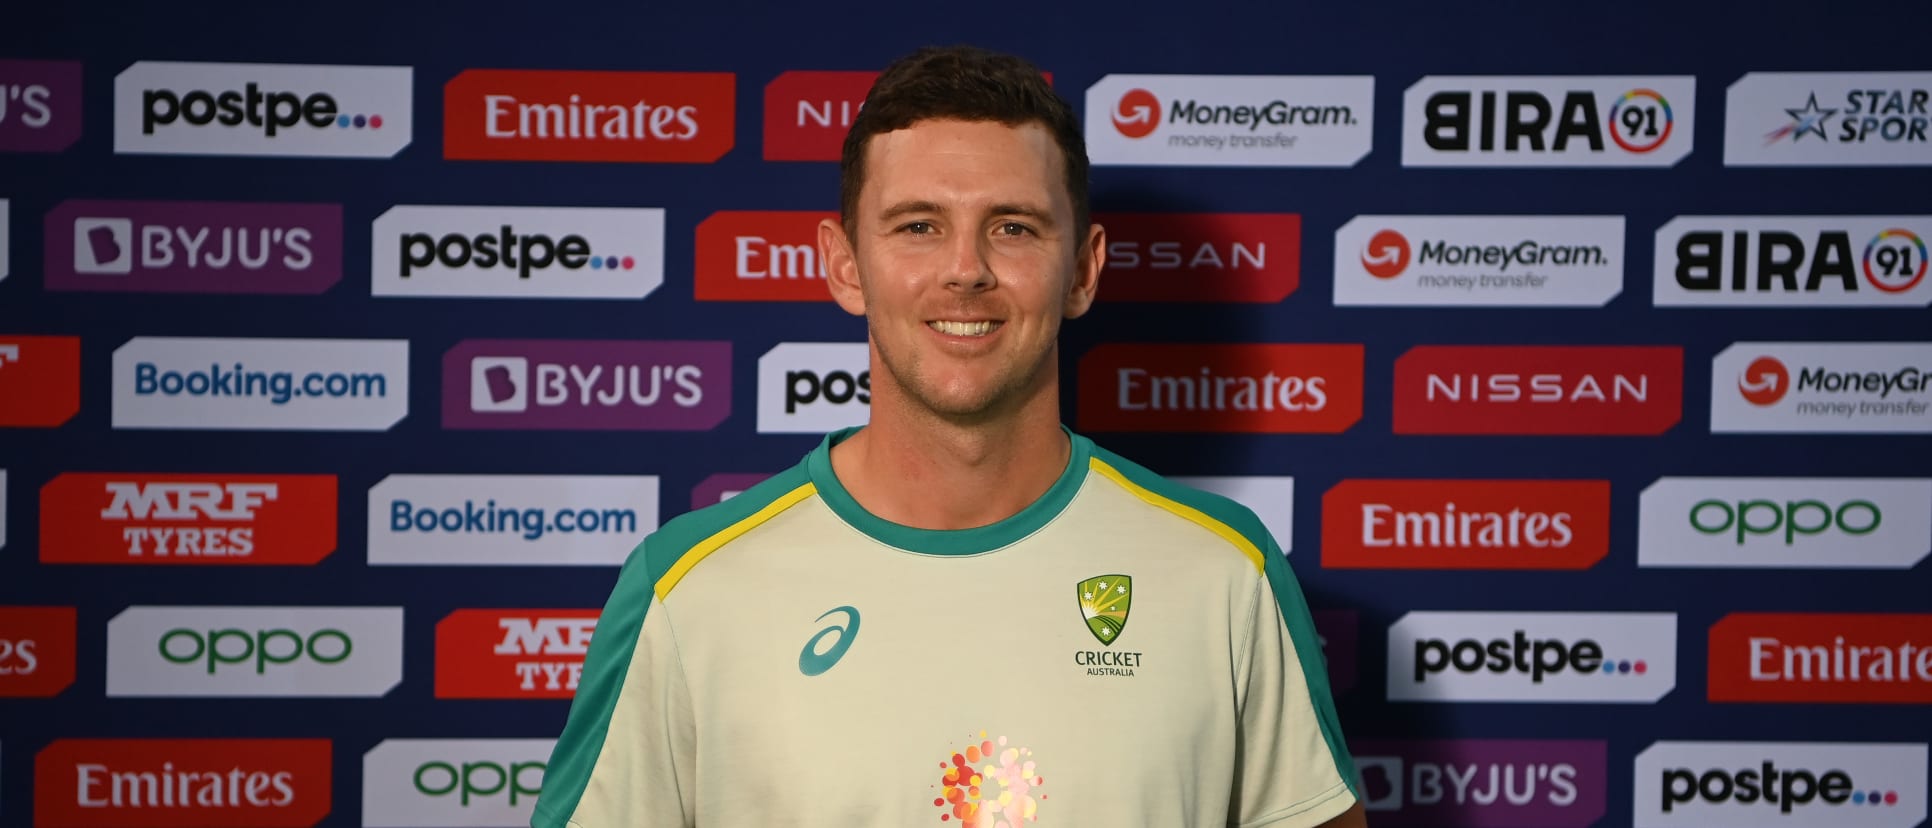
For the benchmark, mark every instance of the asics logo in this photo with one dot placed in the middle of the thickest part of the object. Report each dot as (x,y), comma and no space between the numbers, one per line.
(811,662)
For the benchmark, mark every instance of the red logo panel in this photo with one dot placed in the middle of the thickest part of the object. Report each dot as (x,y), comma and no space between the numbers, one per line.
(808,113)
(1201,257)
(39,380)
(1466,524)
(1822,657)
(512,653)
(182,783)
(121,518)
(761,256)
(1266,389)
(561,115)
(36,650)
(1487,389)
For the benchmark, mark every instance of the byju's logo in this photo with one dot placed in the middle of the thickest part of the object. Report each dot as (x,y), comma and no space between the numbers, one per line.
(1576,389)
(165,783)
(557,115)
(761,256)
(813,387)
(1796,784)
(1786,523)
(174,108)
(36,651)
(1792,261)
(1496,261)
(439,783)
(1818,387)
(1272,499)
(254,651)
(518,252)
(275,384)
(587,384)
(512,653)
(194,247)
(808,113)
(1202,257)
(1828,119)
(1628,657)
(188,519)
(1853,658)
(508,520)
(1490,782)
(1231,120)
(1272,389)
(39,380)
(1466,524)
(1567,121)
(40,105)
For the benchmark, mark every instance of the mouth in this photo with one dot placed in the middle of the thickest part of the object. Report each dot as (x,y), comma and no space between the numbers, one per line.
(952,328)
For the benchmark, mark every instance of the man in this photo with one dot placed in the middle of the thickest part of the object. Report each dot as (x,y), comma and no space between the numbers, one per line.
(961,613)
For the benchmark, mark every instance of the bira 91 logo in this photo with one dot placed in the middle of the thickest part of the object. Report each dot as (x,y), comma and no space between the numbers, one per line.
(1829,119)
(1823,388)
(1491,783)
(1266,389)
(40,105)
(509,520)
(439,783)
(1202,257)
(1479,261)
(305,652)
(1786,523)
(1503,389)
(558,115)
(1792,261)
(761,256)
(263,384)
(1615,657)
(194,247)
(1231,120)
(1548,121)
(188,519)
(1785,784)
(169,108)
(39,380)
(1811,658)
(1272,499)
(586,384)
(512,653)
(518,252)
(182,783)
(808,113)
(1466,524)
(36,651)
(814,387)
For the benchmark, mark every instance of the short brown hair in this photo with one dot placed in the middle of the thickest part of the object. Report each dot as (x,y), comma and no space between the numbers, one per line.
(969,84)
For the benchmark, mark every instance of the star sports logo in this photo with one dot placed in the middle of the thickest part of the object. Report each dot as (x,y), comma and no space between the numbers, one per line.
(1386,255)
(1138,114)
(1764,382)
(1810,119)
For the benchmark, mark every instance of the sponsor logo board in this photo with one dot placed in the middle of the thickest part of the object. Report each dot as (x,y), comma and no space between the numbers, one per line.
(194,247)
(6,245)
(518,252)
(509,520)
(512,653)
(1792,261)
(760,256)
(182,783)
(1822,387)
(39,380)
(721,487)
(814,387)
(1558,389)
(37,650)
(1230,120)
(1828,119)
(1612,657)
(1259,388)
(564,115)
(1485,783)
(586,384)
(292,110)
(1272,499)
(1795,784)
(1548,121)
(1202,257)
(40,105)
(3,508)
(1466,524)
(261,384)
(1479,261)
(807,113)
(306,652)
(439,783)
(221,519)
(1785,523)
(1340,634)
(1812,658)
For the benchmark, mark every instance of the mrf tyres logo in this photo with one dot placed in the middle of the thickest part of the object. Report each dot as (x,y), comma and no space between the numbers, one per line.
(194,247)
(1829,119)
(1617,657)
(1466,524)
(1230,120)
(306,652)
(560,115)
(1796,784)
(1487,782)
(1822,387)
(1785,523)
(1479,261)
(1258,388)
(814,387)
(170,108)
(40,105)
(188,519)
(176,783)
(1792,261)
(509,520)
(1810,658)
(261,384)
(518,252)
(438,783)
(1503,389)
(512,653)
(37,651)
(1202,257)
(1548,121)
(586,384)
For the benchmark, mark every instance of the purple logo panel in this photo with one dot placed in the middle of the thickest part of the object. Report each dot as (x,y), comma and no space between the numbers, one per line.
(714,489)
(194,247)
(40,105)
(1483,783)
(581,384)
(1337,629)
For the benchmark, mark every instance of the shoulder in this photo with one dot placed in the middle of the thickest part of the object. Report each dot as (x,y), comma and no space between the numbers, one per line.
(670,552)
(1233,522)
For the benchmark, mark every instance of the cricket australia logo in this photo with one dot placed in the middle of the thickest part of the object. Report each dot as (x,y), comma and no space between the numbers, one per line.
(1104,601)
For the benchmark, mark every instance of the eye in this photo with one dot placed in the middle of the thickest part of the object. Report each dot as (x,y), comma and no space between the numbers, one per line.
(917,228)
(1014,228)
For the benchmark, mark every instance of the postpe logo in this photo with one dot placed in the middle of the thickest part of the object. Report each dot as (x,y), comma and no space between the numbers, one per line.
(188,519)
(1580,389)
(563,115)
(1386,254)
(1137,114)
(194,247)
(509,520)
(1799,784)
(1202,257)
(291,110)
(1817,523)
(270,384)
(814,387)
(1849,658)
(518,252)
(512,653)
(37,651)
(254,651)
(40,105)
(1617,657)
(1466,524)
(165,783)
(1261,388)
(587,384)
(436,783)
(39,380)
(761,256)
(1543,782)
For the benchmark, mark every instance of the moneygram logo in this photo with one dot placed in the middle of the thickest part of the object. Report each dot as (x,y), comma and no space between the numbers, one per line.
(557,115)
(1819,387)
(512,653)
(1617,389)
(1272,499)
(436,783)
(761,256)
(1494,261)
(254,651)
(1230,120)
(1269,389)
(1798,784)
(1202,257)
(807,114)
(188,519)
(586,384)
(814,387)
(165,783)
(518,252)
(508,520)
(36,651)
(1494,782)
(1792,261)
(1786,523)
(1828,119)
(265,384)
(1548,121)
(194,247)
(39,380)
(1466,524)
(1621,657)
(1849,658)
(40,105)
(169,108)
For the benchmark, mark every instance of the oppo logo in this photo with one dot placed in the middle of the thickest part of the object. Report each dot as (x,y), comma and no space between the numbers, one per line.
(1744,519)
(232,646)
(309,652)
(479,780)
(1786,522)
(453,783)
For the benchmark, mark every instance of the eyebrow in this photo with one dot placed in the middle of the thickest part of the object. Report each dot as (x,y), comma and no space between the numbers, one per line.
(904,208)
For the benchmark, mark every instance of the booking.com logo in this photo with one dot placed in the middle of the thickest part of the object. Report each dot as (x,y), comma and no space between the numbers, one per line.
(1764,382)
(1138,114)
(1386,255)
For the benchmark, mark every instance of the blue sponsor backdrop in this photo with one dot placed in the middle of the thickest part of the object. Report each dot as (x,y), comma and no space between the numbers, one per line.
(1078,44)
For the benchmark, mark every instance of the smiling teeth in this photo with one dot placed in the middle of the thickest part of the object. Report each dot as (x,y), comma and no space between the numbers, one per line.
(963,328)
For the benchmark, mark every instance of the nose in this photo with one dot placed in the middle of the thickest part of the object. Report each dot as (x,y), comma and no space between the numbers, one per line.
(969,266)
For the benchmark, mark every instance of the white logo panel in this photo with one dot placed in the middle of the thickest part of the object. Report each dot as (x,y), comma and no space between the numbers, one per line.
(294,110)
(1486,261)
(1548,121)
(814,387)
(509,520)
(1783,784)
(271,384)
(1838,523)
(254,651)
(1231,120)
(466,783)
(1823,388)
(1270,498)
(1792,261)
(1628,657)
(518,252)
(6,249)
(1828,119)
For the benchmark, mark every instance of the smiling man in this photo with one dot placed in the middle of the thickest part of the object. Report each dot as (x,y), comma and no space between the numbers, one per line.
(961,613)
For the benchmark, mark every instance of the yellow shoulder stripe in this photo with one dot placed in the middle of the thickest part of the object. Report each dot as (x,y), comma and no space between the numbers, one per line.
(711,544)
(1226,532)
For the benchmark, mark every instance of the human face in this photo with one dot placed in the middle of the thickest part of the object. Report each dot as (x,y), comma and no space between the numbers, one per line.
(963,258)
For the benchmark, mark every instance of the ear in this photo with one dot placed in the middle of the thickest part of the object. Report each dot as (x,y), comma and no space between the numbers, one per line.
(1088,260)
(841,266)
